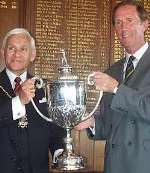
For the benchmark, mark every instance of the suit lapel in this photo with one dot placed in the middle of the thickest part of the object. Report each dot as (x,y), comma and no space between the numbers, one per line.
(116,70)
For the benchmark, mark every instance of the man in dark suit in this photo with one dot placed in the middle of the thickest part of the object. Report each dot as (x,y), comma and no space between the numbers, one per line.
(25,138)
(124,116)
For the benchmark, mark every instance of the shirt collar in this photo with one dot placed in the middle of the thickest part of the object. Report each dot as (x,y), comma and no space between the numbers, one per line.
(12,76)
(139,53)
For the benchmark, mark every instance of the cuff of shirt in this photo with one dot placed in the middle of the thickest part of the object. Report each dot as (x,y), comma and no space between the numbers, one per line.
(92,129)
(18,109)
(115,90)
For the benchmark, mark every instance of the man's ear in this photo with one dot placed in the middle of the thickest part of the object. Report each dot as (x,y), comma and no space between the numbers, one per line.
(1,53)
(33,55)
(2,59)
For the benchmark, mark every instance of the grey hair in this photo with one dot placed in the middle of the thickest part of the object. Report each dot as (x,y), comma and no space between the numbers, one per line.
(18,31)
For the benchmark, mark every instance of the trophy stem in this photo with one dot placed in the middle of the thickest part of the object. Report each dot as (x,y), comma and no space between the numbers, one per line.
(68,142)
(69,160)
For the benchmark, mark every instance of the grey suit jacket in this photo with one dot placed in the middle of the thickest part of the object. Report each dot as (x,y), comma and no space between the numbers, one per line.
(124,121)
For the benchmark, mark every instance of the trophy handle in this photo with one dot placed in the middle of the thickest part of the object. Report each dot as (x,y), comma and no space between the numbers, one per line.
(91,82)
(39,83)
(39,112)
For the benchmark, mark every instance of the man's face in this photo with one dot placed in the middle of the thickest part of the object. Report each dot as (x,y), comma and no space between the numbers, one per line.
(18,53)
(129,28)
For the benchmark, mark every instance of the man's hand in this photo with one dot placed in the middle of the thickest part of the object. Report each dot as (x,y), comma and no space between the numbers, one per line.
(104,82)
(85,124)
(27,91)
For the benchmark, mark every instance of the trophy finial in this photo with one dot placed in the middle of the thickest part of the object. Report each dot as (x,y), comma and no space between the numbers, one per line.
(63,58)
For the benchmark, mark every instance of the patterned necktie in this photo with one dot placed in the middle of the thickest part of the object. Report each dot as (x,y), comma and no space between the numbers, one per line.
(17,85)
(23,121)
(129,69)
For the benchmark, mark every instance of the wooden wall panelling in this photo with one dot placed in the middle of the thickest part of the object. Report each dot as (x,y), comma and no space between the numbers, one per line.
(86,148)
(98,160)
(27,11)
(9,16)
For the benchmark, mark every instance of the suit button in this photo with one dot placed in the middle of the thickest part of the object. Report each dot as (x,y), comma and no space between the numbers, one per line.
(111,126)
(19,168)
(129,143)
(113,145)
(13,142)
(13,159)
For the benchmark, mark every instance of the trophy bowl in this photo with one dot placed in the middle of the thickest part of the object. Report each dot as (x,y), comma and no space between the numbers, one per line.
(66,104)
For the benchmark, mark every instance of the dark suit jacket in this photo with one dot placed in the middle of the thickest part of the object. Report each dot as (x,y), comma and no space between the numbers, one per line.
(25,150)
(124,120)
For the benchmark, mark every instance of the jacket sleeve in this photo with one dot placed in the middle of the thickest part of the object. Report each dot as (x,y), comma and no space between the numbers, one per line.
(102,119)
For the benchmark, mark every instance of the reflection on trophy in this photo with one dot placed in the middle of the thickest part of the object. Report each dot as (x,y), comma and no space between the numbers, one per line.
(66,99)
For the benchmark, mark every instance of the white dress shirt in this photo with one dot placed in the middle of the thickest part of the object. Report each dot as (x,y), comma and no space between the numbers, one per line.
(18,109)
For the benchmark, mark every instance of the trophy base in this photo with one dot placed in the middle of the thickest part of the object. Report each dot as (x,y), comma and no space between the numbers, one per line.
(71,162)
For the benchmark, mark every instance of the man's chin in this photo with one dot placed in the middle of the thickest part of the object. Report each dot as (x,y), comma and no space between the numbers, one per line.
(17,70)
(126,43)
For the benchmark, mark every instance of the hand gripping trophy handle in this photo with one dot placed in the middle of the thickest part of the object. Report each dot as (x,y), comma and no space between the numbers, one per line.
(39,83)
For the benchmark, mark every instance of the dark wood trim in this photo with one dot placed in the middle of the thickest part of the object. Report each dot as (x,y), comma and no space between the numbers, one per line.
(27,11)
(22,12)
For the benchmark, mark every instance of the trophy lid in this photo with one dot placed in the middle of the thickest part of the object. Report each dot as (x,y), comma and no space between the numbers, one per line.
(65,71)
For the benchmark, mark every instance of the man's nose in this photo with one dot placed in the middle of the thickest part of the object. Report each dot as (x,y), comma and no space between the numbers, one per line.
(17,52)
(122,24)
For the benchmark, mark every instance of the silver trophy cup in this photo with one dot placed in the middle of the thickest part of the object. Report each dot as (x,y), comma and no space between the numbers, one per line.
(66,104)
(66,107)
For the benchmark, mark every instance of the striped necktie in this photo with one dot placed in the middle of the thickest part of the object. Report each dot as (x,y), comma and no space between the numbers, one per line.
(129,69)
(17,84)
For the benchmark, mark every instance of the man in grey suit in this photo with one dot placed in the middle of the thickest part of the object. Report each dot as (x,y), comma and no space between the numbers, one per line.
(123,119)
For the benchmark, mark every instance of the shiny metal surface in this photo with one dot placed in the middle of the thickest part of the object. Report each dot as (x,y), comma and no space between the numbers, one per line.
(66,102)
